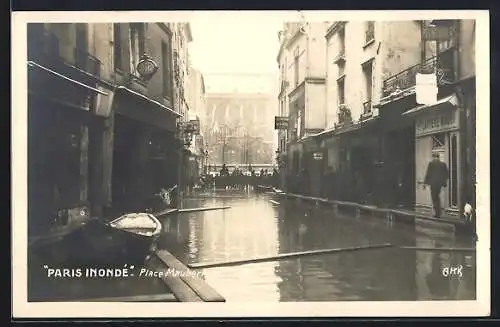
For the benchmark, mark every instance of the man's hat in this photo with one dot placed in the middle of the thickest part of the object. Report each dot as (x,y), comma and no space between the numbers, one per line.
(435,154)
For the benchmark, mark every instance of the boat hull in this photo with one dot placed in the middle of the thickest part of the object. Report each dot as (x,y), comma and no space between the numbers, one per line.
(98,243)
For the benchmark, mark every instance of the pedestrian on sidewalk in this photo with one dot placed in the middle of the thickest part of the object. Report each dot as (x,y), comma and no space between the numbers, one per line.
(436,177)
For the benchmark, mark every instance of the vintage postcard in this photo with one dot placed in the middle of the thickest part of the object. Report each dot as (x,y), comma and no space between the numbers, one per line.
(260,163)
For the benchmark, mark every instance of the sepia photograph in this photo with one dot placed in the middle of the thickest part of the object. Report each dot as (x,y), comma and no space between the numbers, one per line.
(311,163)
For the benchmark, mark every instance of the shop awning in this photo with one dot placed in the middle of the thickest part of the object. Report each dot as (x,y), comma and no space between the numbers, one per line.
(450,101)
(148,100)
(139,107)
(56,74)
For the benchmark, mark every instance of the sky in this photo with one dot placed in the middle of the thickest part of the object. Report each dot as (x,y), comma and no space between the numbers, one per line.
(229,42)
(232,43)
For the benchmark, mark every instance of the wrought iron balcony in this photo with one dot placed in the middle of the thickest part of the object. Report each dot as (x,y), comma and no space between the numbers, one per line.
(442,65)
(87,62)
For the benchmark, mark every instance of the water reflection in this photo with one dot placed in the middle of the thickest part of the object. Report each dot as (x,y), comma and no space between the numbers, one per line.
(255,227)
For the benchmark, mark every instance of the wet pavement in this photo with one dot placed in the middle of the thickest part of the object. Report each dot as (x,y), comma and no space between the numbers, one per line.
(257,227)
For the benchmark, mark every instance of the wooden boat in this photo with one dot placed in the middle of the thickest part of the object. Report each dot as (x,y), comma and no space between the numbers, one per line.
(128,239)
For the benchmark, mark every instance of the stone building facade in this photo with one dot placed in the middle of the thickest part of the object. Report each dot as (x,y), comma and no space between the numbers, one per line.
(108,133)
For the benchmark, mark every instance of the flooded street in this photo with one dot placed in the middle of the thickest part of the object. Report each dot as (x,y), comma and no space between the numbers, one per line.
(254,227)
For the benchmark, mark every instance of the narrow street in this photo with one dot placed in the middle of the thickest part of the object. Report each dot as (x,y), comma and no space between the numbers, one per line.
(255,227)
(337,162)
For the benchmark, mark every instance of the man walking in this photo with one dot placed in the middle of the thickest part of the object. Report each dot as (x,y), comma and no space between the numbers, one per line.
(436,177)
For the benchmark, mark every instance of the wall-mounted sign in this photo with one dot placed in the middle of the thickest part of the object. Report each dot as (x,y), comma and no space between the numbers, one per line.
(146,67)
(192,126)
(318,155)
(281,123)
(437,33)
(103,103)
(436,122)
(426,89)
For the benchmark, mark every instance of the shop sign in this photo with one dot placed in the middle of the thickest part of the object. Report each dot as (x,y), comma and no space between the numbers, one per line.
(192,126)
(443,121)
(103,103)
(318,155)
(280,123)
(146,67)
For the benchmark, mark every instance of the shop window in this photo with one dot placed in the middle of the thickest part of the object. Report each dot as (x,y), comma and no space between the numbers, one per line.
(438,141)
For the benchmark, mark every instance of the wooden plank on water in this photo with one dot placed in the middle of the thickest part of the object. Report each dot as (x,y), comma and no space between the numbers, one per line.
(168,297)
(202,289)
(178,287)
(433,249)
(165,212)
(410,214)
(203,209)
(288,256)
(426,217)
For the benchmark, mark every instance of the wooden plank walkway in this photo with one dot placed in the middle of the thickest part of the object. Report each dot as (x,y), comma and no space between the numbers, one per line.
(136,298)
(285,256)
(182,280)
(390,213)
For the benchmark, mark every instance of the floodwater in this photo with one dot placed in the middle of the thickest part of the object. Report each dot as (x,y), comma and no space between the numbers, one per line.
(254,227)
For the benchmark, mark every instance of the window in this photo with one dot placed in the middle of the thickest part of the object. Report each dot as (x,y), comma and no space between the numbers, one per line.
(296,66)
(368,74)
(81,37)
(166,56)
(341,90)
(285,70)
(117,47)
(136,44)
(438,141)
(299,123)
(370,31)
(342,41)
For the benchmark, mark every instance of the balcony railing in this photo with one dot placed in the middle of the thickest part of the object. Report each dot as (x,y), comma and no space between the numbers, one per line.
(87,62)
(442,65)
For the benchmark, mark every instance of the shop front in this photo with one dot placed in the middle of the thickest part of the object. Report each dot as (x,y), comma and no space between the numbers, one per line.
(313,165)
(395,167)
(437,131)
(145,151)
(294,160)
(63,108)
